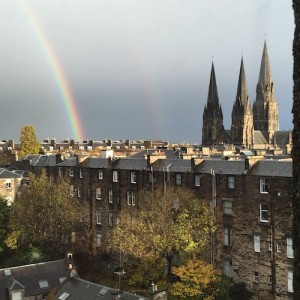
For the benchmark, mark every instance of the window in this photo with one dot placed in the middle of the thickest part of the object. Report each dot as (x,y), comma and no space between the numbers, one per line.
(71,172)
(72,190)
(227,207)
(16,295)
(227,236)
(264,213)
(59,171)
(98,217)
(78,192)
(131,197)
(231,182)
(110,218)
(115,176)
(264,185)
(289,248)
(197,179)
(178,179)
(8,184)
(256,243)
(100,174)
(80,173)
(270,246)
(99,239)
(110,196)
(43,284)
(133,176)
(98,193)
(278,247)
(290,281)
(228,268)
(255,277)
(270,279)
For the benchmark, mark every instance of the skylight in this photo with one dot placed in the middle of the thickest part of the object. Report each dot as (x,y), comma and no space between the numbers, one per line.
(103,291)
(64,296)
(43,284)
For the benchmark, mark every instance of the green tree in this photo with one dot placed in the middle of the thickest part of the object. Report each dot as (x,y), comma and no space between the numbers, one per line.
(164,225)
(29,143)
(4,217)
(45,216)
(198,280)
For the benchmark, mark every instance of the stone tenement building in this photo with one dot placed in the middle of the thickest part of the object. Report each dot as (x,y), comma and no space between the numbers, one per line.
(253,206)
(253,128)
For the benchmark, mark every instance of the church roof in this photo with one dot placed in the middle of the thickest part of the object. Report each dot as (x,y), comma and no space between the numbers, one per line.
(259,139)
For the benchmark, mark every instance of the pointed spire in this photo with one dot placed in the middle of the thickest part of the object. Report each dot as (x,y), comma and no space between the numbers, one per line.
(242,86)
(265,77)
(212,90)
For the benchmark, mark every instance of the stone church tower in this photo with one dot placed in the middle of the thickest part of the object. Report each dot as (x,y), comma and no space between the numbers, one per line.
(242,130)
(265,108)
(212,128)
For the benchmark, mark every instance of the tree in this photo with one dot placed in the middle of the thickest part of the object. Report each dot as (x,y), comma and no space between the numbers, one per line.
(45,216)
(29,143)
(4,217)
(198,280)
(296,151)
(163,225)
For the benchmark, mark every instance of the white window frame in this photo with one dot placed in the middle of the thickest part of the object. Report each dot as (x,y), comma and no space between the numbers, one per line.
(131,198)
(98,193)
(78,192)
(227,207)
(228,236)
(8,184)
(290,276)
(231,182)
(270,246)
(264,209)
(80,173)
(228,270)
(98,239)
(278,247)
(256,240)
(264,185)
(178,179)
(100,174)
(115,176)
(133,176)
(110,196)
(289,248)
(71,172)
(197,180)
(98,217)
(72,190)
(255,277)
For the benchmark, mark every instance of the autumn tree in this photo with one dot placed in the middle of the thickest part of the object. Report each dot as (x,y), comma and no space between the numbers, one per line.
(198,279)
(29,143)
(162,226)
(4,217)
(45,216)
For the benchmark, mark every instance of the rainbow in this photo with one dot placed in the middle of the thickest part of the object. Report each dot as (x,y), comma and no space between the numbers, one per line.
(57,71)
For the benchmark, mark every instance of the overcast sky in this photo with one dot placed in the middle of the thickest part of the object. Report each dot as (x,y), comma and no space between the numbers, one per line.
(138,69)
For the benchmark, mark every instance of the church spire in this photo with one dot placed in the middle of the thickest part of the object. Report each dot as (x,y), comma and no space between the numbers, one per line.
(242,117)
(242,86)
(212,116)
(265,77)
(265,108)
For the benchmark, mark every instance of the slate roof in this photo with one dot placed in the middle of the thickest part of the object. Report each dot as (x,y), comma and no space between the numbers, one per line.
(227,167)
(4,173)
(282,137)
(259,138)
(173,165)
(41,160)
(70,162)
(95,163)
(129,164)
(272,168)
(29,277)
(79,289)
